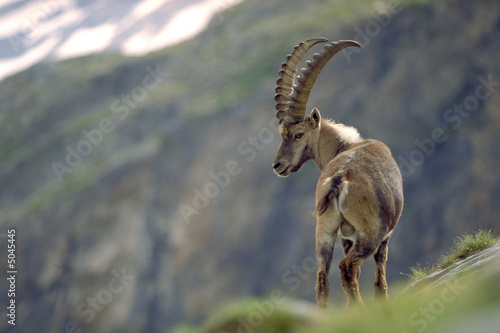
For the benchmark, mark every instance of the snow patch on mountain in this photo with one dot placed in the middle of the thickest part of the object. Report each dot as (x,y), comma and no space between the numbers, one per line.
(59,29)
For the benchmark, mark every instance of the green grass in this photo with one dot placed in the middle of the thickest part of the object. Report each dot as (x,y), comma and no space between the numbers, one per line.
(261,315)
(419,272)
(425,311)
(184,329)
(442,308)
(467,246)
(463,247)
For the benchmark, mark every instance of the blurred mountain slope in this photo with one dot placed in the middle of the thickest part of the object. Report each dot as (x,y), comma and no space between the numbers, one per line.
(141,188)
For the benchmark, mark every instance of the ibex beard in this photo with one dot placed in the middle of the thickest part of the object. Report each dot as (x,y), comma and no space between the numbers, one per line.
(359,194)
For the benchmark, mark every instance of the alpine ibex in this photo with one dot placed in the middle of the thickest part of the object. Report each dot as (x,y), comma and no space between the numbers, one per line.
(359,195)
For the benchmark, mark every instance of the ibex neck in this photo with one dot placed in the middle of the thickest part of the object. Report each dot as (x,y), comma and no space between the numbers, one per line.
(334,139)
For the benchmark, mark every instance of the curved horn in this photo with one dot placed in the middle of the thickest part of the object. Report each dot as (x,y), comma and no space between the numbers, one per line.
(288,72)
(298,100)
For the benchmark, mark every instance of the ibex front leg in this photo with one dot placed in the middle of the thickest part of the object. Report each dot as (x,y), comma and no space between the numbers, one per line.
(326,234)
(350,266)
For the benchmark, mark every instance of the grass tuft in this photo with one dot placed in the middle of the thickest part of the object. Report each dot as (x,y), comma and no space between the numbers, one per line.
(464,247)
(467,246)
(254,315)
(419,272)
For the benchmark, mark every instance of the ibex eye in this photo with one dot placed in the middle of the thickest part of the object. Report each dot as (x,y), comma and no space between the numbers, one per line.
(299,135)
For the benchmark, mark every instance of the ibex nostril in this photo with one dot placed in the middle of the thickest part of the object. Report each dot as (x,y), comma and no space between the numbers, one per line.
(276,165)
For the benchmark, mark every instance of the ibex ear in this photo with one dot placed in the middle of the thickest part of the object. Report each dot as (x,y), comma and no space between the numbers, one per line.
(315,118)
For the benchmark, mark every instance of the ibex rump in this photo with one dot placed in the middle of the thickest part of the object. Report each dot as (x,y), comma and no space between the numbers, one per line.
(359,195)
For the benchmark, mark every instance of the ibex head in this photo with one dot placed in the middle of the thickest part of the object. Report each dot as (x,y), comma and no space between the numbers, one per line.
(300,132)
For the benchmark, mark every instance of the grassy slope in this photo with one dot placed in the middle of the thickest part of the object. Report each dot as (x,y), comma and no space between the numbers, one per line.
(439,309)
(469,298)
(464,247)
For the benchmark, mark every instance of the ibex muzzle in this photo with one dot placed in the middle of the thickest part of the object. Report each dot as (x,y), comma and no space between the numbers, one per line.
(359,195)
(298,144)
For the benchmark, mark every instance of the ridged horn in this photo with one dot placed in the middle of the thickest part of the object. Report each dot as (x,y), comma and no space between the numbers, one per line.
(286,76)
(297,105)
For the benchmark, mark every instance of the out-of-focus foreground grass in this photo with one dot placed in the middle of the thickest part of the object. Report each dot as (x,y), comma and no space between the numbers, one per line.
(464,297)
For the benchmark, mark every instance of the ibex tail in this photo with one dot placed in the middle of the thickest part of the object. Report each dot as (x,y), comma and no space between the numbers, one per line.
(334,187)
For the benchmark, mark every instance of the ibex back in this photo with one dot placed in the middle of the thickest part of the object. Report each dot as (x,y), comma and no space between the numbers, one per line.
(359,195)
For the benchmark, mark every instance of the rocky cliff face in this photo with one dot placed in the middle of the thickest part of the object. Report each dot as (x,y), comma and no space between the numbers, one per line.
(141,189)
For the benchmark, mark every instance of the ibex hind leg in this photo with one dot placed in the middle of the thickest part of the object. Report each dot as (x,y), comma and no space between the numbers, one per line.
(346,245)
(350,268)
(380,284)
